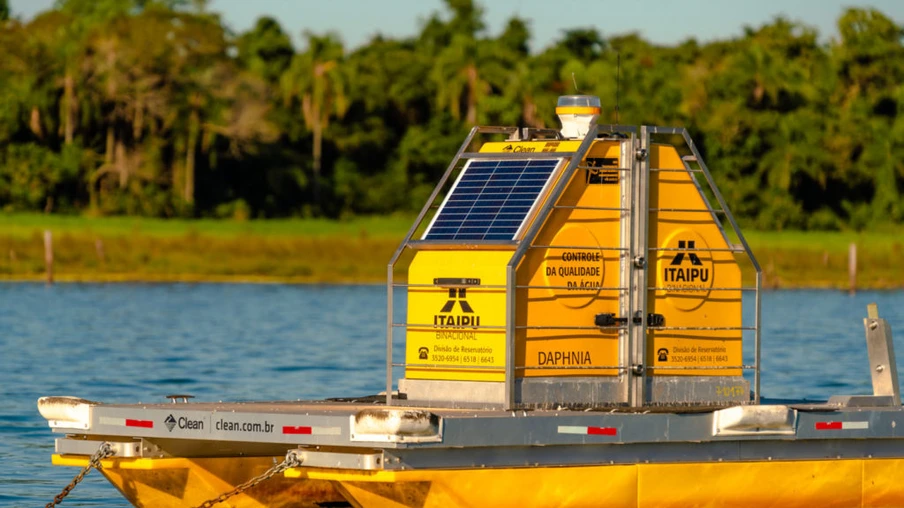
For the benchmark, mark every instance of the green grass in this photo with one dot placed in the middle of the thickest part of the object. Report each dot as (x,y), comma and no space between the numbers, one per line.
(825,240)
(23,225)
(820,258)
(356,250)
(142,249)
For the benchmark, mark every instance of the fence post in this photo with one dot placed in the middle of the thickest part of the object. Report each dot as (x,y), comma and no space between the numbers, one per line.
(852,268)
(99,248)
(48,255)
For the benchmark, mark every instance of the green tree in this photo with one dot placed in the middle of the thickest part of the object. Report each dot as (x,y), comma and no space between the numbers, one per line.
(470,69)
(265,50)
(516,37)
(314,81)
(84,15)
(389,97)
(153,107)
(868,98)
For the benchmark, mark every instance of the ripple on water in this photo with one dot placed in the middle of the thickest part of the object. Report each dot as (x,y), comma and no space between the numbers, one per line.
(122,343)
(173,381)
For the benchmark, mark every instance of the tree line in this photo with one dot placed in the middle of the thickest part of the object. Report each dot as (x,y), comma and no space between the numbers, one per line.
(153,107)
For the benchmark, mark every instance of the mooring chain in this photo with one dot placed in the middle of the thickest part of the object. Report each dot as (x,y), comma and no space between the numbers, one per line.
(103,451)
(291,460)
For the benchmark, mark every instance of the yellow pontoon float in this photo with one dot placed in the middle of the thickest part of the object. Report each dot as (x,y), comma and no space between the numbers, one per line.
(575,336)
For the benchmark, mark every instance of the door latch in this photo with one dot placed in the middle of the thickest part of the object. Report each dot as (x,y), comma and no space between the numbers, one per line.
(608,319)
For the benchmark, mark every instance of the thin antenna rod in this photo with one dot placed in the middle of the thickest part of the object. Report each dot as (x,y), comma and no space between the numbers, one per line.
(617,82)
(575,81)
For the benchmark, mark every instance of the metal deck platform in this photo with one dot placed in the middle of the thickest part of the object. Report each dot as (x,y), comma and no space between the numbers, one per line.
(374,436)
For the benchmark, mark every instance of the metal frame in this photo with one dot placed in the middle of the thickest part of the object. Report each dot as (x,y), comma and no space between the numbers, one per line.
(881,351)
(634,250)
(527,240)
(514,135)
(636,266)
(496,436)
(404,245)
(645,139)
(737,231)
(625,353)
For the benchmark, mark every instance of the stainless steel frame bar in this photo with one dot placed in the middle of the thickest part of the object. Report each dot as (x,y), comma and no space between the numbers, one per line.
(669,170)
(737,230)
(701,367)
(516,155)
(593,208)
(634,212)
(605,168)
(398,252)
(742,288)
(684,210)
(700,328)
(637,264)
(529,236)
(703,249)
(589,247)
(601,288)
(431,325)
(614,127)
(456,366)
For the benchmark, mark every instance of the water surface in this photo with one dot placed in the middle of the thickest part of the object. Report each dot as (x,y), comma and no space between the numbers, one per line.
(139,342)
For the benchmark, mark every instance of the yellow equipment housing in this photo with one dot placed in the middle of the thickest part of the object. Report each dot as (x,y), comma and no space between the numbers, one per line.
(620,287)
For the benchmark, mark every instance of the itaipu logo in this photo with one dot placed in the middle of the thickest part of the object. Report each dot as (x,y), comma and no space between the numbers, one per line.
(457,297)
(679,271)
(170,423)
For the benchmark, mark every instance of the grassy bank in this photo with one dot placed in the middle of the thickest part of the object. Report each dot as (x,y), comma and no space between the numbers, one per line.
(820,259)
(136,249)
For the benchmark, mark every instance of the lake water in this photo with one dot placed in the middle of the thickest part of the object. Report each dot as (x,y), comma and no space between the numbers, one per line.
(139,342)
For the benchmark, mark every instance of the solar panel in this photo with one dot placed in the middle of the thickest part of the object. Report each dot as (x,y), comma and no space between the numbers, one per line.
(491,199)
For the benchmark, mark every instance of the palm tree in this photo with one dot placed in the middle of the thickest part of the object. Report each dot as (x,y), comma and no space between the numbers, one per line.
(197,71)
(83,17)
(315,80)
(469,71)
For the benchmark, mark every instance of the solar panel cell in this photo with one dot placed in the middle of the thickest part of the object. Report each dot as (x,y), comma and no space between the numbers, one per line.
(491,200)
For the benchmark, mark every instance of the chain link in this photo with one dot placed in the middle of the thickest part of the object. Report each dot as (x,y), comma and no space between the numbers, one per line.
(291,460)
(103,451)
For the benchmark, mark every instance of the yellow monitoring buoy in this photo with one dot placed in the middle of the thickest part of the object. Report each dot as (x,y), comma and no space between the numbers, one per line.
(567,313)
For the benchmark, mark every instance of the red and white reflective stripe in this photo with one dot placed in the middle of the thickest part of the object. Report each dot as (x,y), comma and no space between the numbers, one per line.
(588,431)
(127,422)
(842,425)
(311,431)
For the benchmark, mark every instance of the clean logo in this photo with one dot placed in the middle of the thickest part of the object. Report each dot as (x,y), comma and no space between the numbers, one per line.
(170,422)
